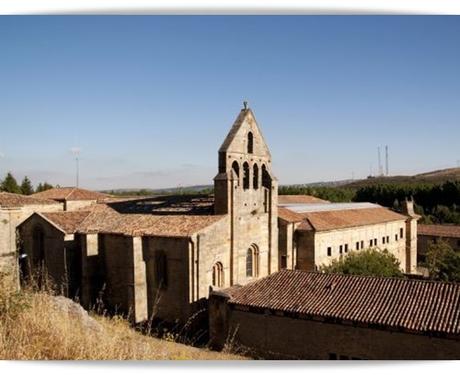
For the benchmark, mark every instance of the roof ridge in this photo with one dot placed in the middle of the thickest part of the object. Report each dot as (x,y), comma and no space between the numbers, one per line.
(71,192)
(370,277)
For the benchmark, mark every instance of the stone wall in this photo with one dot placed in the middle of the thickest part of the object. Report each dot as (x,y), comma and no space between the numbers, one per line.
(280,337)
(124,275)
(352,236)
(167,299)
(78,205)
(54,249)
(10,218)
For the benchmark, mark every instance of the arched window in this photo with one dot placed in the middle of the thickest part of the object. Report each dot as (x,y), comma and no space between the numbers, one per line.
(236,169)
(266,178)
(161,270)
(38,256)
(218,275)
(250,143)
(255,177)
(245,175)
(252,261)
(249,263)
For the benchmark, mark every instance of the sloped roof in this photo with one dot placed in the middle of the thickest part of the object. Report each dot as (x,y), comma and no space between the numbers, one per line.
(417,306)
(107,220)
(452,231)
(70,194)
(68,221)
(306,199)
(19,200)
(340,219)
(289,216)
(330,220)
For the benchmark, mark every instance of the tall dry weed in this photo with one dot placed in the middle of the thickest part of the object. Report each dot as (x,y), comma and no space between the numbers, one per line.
(34,327)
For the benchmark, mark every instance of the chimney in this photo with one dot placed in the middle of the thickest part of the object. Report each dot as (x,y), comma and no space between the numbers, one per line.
(408,207)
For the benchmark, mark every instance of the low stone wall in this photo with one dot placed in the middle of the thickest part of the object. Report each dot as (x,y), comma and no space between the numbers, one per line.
(280,337)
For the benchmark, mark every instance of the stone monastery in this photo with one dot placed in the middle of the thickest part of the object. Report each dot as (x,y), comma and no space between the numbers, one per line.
(164,256)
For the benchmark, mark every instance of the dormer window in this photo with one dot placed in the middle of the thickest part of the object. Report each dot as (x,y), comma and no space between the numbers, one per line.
(250,143)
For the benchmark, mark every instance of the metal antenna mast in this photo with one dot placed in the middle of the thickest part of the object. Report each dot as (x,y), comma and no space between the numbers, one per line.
(76,153)
(386,161)
(380,162)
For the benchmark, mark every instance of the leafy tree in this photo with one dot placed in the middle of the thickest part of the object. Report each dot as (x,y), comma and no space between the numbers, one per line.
(443,262)
(10,185)
(369,262)
(43,186)
(26,186)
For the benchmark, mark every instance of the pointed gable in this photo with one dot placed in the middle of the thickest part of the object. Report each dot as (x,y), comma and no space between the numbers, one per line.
(237,139)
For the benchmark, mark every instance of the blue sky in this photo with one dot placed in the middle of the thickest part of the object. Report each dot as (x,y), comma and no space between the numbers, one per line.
(149,100)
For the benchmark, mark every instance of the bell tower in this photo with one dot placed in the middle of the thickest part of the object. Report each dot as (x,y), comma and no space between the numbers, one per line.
(246,190)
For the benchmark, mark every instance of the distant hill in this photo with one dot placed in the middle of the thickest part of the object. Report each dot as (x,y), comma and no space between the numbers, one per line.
(148,192)
(434,177)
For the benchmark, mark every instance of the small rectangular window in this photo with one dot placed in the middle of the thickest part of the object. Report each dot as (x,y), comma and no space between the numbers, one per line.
(357,245)
(346,248)
(375,241)
(371,242)
(362,245)
(401,233)
(341,249)
(396,237)
(383,240)
(329,251)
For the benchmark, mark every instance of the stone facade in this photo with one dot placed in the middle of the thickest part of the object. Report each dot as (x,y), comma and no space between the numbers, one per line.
(172,277)
(280,337)
(308,248)
(10,219)
(50,250)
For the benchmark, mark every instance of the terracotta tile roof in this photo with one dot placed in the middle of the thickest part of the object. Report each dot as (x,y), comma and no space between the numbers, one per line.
(439,230)
(19,200)
(70,194)
(285,199)
(330,220)
(289,216)
(68,221)
(340,219)
(146,224)
(416,306)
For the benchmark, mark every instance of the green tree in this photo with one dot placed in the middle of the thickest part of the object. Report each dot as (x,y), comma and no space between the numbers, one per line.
(26,186)
(10,185)
(43,186)
(442,262)
(370,262)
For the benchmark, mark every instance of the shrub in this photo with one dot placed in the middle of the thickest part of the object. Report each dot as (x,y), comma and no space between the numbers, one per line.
(370,262)
(442,262)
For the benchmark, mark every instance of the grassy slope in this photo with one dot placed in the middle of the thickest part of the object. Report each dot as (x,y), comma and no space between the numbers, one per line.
(32,328)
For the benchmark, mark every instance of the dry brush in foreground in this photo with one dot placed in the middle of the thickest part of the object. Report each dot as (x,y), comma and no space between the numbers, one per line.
(35,325)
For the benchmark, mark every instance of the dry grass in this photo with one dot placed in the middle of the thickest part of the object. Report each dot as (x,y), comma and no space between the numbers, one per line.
(33,328)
